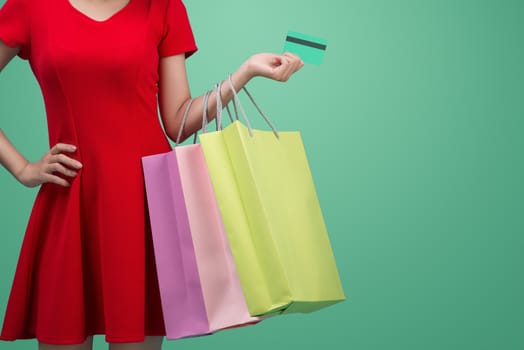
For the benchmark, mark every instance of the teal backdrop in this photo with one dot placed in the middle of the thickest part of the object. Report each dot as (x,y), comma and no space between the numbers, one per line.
(413,127)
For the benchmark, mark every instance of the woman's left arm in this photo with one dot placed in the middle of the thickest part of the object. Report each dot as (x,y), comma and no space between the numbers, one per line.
(174,94)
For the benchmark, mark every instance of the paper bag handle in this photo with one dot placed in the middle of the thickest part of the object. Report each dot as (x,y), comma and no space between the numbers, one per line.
(183,123)
(237,100)
(186,114)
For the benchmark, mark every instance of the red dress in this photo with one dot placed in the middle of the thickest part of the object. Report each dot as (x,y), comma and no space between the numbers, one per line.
(86,264)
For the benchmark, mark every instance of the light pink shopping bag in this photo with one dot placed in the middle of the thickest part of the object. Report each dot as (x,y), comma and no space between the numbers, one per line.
(225,302)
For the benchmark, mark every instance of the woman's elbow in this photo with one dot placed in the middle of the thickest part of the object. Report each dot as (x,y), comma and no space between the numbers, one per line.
(172,132)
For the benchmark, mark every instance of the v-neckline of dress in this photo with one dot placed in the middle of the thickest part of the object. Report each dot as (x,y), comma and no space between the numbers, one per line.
(91,19)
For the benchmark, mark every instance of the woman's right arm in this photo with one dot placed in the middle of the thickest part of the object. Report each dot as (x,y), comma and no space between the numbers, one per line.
(44,170)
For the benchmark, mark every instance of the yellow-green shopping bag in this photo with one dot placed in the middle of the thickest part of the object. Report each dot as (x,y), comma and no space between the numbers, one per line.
(272,217)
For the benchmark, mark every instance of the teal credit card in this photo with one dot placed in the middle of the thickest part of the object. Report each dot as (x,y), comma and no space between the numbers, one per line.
(309,49)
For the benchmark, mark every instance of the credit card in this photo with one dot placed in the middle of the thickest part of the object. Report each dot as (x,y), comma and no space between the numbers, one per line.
(308,48)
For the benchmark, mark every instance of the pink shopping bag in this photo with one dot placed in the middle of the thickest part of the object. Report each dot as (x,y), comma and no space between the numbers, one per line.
(225,302)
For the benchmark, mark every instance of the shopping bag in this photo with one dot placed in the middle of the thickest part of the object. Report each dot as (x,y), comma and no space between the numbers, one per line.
(272,217)
(178,279)
(219,291)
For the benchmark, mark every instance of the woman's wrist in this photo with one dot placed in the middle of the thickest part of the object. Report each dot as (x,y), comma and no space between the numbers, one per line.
(10,158)
(243,75)
(19,171)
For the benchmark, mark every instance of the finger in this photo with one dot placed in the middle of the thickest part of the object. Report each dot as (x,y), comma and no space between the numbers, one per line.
(287,59)
(276,61)
(295,60)
(59,168)
(289,69)
(62,147)
(281,72)
(292,56)
(295,66)
(56,180)
(67,161)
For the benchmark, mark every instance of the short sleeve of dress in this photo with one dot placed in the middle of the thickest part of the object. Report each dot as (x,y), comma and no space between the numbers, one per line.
(178,36)
(14,26)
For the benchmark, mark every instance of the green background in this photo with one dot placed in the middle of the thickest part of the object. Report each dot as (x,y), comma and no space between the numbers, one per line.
(414,132)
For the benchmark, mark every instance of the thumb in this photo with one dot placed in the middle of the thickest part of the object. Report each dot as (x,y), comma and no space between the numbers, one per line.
(276,61)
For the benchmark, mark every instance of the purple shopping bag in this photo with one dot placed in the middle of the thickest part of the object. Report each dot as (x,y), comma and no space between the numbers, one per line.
(180,290)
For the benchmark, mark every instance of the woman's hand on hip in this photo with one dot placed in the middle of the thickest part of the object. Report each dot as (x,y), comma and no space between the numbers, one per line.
(52,164)
(273,66)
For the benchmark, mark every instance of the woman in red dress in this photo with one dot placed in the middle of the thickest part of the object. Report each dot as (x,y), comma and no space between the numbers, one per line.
(86,264)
